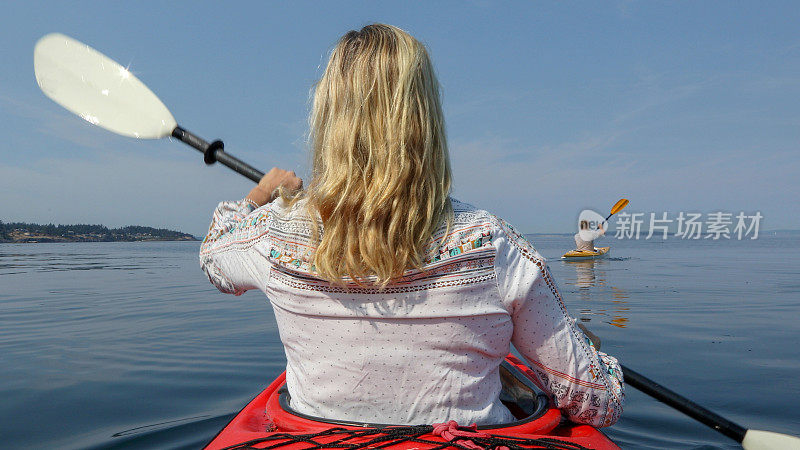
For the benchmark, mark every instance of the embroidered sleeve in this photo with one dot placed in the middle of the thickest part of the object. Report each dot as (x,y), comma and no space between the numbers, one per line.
(230,254)
(585,384)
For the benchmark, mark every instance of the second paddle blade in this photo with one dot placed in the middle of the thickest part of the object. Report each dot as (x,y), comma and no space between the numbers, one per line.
(622,203)
(98,89)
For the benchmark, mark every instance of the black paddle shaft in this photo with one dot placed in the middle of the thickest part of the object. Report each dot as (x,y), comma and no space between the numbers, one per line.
(684,405)
(214,152)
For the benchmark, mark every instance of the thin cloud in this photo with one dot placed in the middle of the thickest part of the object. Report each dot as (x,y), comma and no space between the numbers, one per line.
(57,122)
(649,94)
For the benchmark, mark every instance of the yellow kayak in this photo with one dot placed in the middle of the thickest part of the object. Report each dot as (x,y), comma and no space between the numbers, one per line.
(575,255)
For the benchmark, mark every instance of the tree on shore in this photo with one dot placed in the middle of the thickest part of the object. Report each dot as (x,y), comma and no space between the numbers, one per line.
(92,232)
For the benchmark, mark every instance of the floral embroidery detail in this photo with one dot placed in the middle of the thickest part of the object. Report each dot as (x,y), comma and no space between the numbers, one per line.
(289,260)
(232,224)
(559,390)
(573,409)
(611,366)
(579,396)
(458,243)
(588,415)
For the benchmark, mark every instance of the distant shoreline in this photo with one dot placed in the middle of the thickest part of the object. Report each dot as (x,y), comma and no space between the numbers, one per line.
(60,240)
(31,233)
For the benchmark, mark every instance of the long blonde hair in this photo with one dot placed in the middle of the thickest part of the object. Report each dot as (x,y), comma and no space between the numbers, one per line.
(380,171)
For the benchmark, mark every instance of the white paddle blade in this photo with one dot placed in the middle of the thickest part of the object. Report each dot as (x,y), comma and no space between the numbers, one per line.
(99,90)
(767,440)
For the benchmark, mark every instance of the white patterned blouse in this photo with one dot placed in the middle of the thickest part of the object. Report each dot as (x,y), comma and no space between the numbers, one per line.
(427,347)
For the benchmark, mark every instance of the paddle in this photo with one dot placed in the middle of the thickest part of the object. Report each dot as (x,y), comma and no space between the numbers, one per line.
(750,439)
(619,206)
(102,92)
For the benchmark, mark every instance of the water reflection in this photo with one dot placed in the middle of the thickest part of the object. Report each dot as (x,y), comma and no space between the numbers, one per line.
(596,295)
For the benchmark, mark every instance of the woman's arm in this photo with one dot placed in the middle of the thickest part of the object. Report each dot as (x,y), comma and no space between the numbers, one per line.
(229,255)
(586,385)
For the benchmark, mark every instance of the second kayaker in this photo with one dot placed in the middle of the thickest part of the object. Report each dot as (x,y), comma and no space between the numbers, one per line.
(582,245)
(396,303)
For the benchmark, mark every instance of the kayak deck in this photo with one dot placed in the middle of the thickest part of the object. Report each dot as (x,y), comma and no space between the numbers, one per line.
(269,422)
(575,255)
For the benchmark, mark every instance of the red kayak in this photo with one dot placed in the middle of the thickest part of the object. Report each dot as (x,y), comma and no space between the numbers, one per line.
(269,422)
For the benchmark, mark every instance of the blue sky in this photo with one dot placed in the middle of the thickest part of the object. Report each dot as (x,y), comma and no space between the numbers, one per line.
(551,107)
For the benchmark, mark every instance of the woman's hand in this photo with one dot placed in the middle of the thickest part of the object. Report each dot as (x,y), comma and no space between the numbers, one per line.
(267,189)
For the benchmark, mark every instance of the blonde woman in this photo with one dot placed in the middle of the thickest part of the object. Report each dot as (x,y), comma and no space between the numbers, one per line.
(396,303)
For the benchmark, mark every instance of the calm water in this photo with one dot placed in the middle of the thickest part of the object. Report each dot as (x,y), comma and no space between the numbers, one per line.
(127,345)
